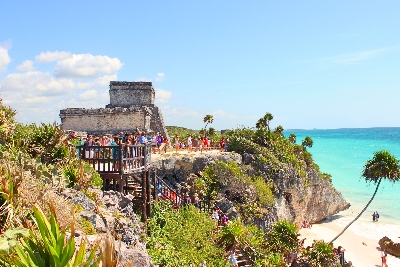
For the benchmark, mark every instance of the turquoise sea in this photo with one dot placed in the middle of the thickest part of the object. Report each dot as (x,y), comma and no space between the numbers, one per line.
(343,153)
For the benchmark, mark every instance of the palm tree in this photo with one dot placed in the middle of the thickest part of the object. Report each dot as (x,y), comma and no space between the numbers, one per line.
(211,131)
(279,129)
(208,119)
(307,142)
(292,138)
(264,121)
(382,165)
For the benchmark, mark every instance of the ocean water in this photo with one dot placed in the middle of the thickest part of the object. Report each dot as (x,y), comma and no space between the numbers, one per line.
(343,154)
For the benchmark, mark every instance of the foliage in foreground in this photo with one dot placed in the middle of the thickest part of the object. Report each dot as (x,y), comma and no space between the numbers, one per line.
(182,238)
(321,254)
(49,246)
(186,236)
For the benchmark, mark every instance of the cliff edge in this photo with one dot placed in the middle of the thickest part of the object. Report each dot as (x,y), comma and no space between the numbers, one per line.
(297,199)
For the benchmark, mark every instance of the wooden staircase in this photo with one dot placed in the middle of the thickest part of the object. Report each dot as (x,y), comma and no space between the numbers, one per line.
(242,258)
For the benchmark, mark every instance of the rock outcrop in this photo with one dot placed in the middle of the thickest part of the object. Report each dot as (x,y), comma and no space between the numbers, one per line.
(178,168)
(113,213)
(310,198)
(387,244)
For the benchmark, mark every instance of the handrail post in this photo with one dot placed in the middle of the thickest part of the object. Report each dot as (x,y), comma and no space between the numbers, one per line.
(121,154)
(148,193)
(155,184)
(144,196)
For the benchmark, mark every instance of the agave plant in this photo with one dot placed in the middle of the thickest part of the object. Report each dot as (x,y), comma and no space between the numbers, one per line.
(49,246)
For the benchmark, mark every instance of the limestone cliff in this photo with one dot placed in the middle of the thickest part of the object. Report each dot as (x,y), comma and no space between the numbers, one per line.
(298,199)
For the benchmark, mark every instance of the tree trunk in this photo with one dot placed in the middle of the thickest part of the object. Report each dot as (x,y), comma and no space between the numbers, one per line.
(359,215)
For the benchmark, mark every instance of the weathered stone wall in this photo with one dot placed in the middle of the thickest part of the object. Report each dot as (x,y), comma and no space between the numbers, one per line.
(94,121)
(126,94)
(157,123)
(131,105)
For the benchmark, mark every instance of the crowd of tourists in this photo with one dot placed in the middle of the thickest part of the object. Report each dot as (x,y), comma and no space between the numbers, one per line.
(199,143)
(158,142)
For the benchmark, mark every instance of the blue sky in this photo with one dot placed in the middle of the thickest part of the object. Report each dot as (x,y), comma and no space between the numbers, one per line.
(312,64)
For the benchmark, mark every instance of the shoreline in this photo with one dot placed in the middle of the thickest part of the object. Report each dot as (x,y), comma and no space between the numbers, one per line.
(360,250)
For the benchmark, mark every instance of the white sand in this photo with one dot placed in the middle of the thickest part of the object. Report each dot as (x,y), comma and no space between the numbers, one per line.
(361,255)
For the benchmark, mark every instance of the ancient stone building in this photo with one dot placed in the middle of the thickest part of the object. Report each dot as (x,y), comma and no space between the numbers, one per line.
(131,105)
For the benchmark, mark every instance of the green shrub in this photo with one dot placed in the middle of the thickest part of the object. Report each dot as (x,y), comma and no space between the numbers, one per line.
(264,191)
(182,238)
(321,254)
(282,238)
(87,227)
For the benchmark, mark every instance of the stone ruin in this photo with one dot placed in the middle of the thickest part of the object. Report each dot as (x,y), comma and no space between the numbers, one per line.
(131,106)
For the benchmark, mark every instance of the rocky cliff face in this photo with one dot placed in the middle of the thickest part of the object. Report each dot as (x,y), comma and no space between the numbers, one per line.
(113,213)
(298,199)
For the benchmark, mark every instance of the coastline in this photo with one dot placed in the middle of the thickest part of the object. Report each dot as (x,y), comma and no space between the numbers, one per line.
(360,250)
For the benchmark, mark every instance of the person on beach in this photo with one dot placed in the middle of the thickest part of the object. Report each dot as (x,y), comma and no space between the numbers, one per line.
(384,257)
(374,216)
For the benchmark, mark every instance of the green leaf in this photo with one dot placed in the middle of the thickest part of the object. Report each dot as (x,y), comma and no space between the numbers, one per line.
(4,246)
(16,232)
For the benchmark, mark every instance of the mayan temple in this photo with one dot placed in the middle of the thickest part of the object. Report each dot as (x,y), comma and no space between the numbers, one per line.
(131,106)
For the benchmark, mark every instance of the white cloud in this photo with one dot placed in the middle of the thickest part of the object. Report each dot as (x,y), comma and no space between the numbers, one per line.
(39,96)
(4,59)
(94,95)
(143,79)
(160,77)
(27,65)
(87,66)
(162,96)
(101,82)
(358,56)
(224,115)
(52,56)
(36,82)
(173,112)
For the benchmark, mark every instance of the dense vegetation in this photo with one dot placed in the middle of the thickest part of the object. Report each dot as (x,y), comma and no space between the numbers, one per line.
(189,237)
(36,162)
(273,148)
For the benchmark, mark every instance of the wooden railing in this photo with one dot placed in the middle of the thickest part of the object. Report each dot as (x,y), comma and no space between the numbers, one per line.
(167,193)
(116,159)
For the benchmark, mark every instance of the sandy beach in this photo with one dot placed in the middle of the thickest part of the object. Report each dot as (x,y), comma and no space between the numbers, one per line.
(361,251)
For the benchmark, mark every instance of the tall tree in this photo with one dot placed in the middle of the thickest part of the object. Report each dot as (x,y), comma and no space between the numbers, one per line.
(211,131)
(264,121)
(307,142)
(382,165)
(208,119)
(279,129)
(292,138)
